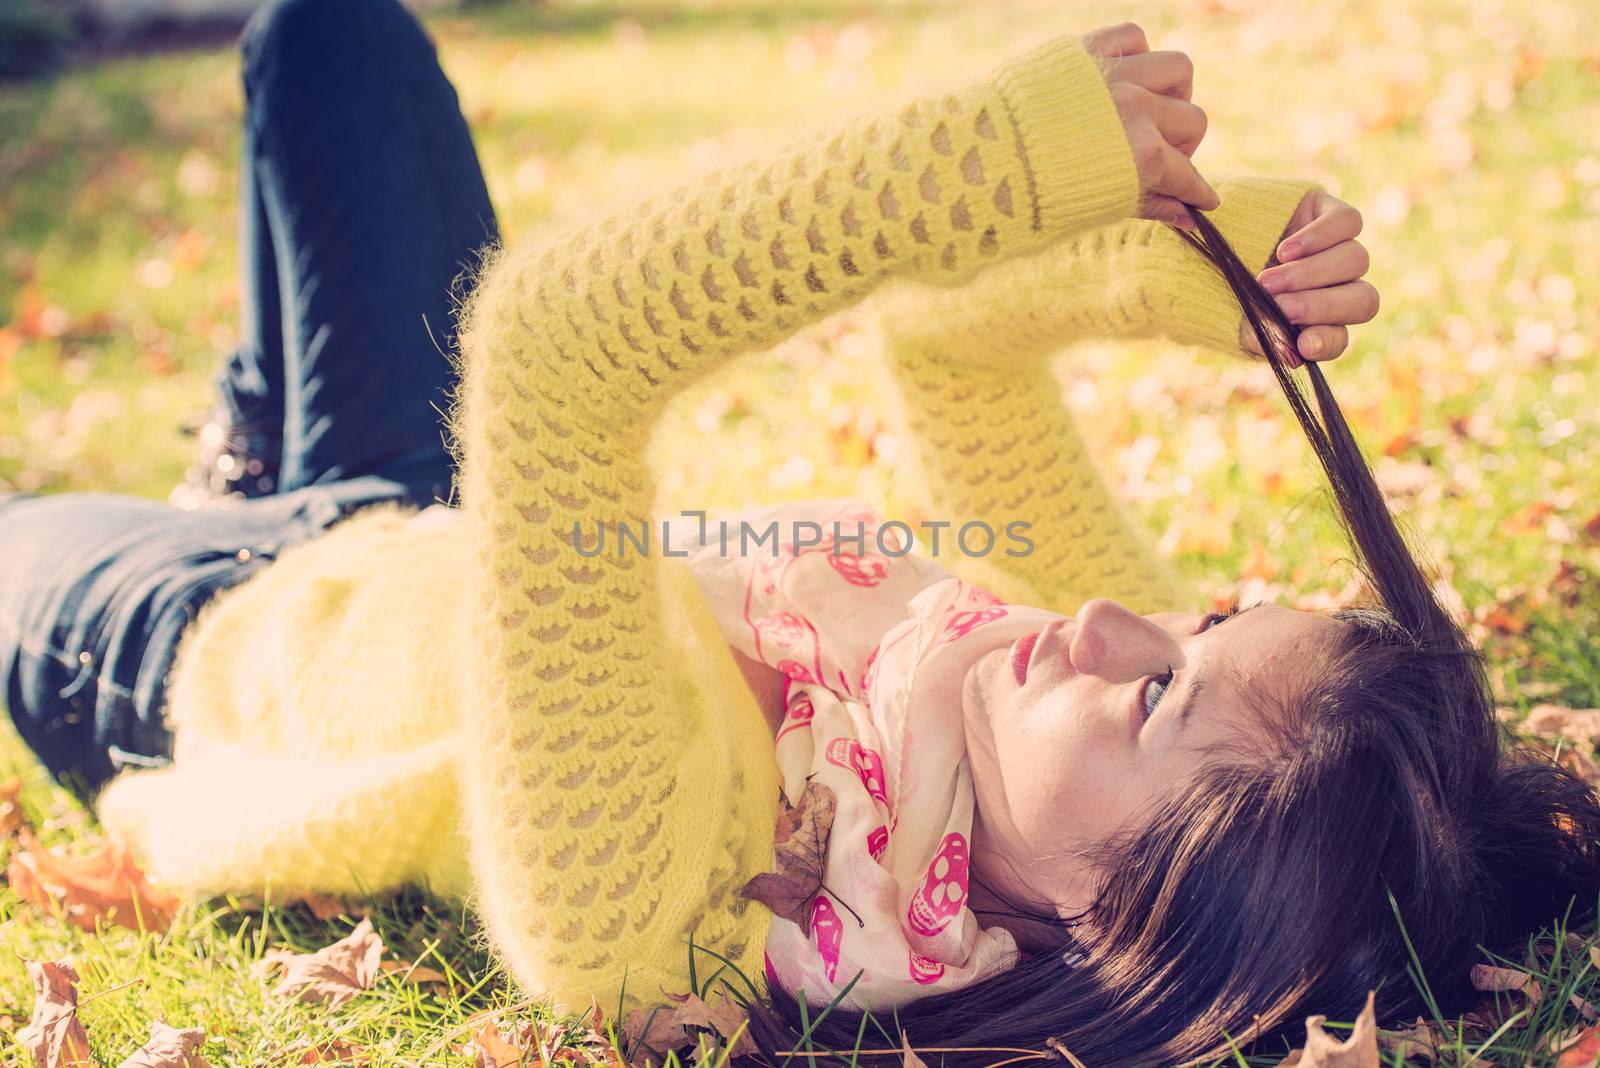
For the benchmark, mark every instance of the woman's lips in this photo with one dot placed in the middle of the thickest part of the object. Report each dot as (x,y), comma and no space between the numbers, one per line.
(1021,652)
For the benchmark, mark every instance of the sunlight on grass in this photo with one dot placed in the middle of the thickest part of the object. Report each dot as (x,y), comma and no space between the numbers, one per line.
(1466,132)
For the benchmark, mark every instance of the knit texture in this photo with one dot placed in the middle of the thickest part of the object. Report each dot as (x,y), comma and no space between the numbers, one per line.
(582,718)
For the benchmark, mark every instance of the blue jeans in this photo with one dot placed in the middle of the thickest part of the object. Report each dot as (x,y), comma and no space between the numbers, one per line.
(362,211)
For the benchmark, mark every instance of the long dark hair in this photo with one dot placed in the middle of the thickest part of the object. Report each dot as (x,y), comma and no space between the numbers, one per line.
(1394,830)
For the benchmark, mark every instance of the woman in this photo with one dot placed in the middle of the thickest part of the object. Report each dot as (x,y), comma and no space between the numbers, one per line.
(1159,863)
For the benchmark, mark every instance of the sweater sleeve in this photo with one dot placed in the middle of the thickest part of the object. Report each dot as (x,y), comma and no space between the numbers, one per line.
(989,431)
(571,348)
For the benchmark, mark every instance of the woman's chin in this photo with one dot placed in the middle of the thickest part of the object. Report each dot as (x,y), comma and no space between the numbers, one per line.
(980,687)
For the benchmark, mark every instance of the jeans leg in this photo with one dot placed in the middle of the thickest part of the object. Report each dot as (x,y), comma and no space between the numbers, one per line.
(96,593)
(375,204)
(250,383)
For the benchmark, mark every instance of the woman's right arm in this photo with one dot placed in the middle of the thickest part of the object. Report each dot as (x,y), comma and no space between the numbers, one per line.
(983,410)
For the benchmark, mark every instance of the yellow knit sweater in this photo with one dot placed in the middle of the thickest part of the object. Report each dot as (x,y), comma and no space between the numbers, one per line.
(567,740)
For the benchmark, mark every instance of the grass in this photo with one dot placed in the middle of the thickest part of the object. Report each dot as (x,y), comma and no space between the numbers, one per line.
(1464,130)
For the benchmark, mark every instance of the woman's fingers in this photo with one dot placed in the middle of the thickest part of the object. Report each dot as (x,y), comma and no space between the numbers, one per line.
(1344,262)
(1323,342)
(1167,73)
(1341,305)
(1126,39)
(1332,221)
(1176,177)
(1182,124)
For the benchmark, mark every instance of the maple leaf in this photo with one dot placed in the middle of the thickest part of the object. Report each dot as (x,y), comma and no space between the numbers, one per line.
(54,1035)
(333,974)
(169,1047)
(1322,1050)
(800,846)
(103,885)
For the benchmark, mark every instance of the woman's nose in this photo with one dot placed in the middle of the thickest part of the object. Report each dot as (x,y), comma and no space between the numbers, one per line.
(1119,645)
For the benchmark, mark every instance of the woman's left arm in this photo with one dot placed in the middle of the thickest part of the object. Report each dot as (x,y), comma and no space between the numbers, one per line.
(983,409)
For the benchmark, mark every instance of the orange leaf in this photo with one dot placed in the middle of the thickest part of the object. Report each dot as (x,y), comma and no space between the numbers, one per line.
(336,1051)
(103,885)
(11,816)
(493,1051)
(54,1035)
(1581,1050)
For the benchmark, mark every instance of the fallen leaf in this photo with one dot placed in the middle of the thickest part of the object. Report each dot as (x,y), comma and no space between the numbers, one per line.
(54,1034)
(660,1028)
(800,845)
(1322,1050)
(908,1056)
(104,885)
(1421,1040)
(417,974)
(333,974)
(493,1051)
(654,1028)
(729,1020)
(11,817)
(335,1051)
(169,1047)
(1579,1050)
(1492,980)
(1591,526)
(324,906)
(1555,721)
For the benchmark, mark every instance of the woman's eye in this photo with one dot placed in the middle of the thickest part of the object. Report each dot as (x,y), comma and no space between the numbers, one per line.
(1214,618)
(1155,688)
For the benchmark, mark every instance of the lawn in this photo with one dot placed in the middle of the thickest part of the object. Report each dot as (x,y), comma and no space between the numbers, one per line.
(1468,132)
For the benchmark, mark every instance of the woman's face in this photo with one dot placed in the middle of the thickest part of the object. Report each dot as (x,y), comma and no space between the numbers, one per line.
(1073,732)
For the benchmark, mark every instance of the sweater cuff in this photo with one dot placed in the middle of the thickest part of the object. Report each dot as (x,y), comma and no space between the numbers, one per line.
(1072,139)
(1253,216)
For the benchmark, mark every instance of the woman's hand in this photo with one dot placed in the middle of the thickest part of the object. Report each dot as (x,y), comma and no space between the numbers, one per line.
(1316,276)
(1151,91)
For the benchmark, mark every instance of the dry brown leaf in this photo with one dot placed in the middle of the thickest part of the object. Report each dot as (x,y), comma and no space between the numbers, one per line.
(11,818)
(414,973)
(169,1047)
(661,1028)
(1554,721)
(800,844)
(491,1050)
(104,885)
(1492,980)
(333,974)
(654,1028)
(1322,1050)
(54,1035)
(1422,1040)
(324,906)
(908,1056)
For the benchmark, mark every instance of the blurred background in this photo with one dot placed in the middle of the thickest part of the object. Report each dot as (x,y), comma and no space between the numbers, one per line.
(1467,131)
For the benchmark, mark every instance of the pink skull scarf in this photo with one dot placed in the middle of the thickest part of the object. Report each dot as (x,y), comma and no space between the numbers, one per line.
(874,645)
